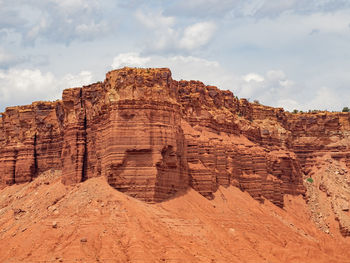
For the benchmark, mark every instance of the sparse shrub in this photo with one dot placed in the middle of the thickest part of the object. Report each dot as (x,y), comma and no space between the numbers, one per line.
(346,109)
(310,180)
(256,102)
(295,111)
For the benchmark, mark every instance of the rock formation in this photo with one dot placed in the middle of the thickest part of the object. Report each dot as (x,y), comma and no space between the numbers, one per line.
(151,136)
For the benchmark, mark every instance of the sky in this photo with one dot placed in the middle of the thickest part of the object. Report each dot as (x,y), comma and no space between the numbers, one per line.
(293,54)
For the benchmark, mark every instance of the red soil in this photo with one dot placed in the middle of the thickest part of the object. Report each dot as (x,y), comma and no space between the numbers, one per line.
(46,221)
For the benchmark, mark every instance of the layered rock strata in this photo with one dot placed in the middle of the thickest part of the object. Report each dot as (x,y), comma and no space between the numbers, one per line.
(128,130)
(151,137)
(31,141)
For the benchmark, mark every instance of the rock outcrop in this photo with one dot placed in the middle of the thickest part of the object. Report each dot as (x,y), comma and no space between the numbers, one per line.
(31,140)
(151,137)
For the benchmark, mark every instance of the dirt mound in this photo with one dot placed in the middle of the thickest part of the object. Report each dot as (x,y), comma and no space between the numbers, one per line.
(46,221)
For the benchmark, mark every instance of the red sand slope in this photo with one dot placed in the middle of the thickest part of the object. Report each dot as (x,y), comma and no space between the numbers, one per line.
(45,221)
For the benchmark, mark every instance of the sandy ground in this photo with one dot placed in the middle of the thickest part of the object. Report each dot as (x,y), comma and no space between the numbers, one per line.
(46,221)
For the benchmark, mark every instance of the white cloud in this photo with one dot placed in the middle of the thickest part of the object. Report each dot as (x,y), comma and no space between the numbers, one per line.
(18,86)
(324,99)
(165,34)
(253,77)
(196,68)
(83,78)
(254,8)
(274,88)
(23,86)
(154,20)
(276,75)
(191,59)
(131,59)
(160,33)
(197,35)
(56,20)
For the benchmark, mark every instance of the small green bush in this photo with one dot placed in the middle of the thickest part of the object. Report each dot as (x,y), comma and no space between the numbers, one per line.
(310,180)
(346,109)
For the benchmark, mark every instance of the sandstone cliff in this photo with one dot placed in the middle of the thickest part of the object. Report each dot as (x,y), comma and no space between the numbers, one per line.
(151,137)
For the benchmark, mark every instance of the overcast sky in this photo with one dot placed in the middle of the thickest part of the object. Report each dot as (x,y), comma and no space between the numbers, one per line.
(288,53)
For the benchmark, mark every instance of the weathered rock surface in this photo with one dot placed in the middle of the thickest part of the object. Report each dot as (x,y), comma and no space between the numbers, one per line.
(328,195)
(151,136)
(30,141)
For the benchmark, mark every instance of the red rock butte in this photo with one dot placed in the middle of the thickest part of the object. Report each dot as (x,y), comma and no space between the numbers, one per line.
(151,137)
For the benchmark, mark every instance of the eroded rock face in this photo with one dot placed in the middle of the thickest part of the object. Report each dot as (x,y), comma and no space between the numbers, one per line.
(127,129)
(30,141)
(151,136)
(328,195)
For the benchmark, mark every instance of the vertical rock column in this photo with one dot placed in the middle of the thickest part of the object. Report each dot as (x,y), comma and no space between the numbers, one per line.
(17,163)
(48,137)
(74,142)
(143,142)
(8,164)
(201,162)
(25,168)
